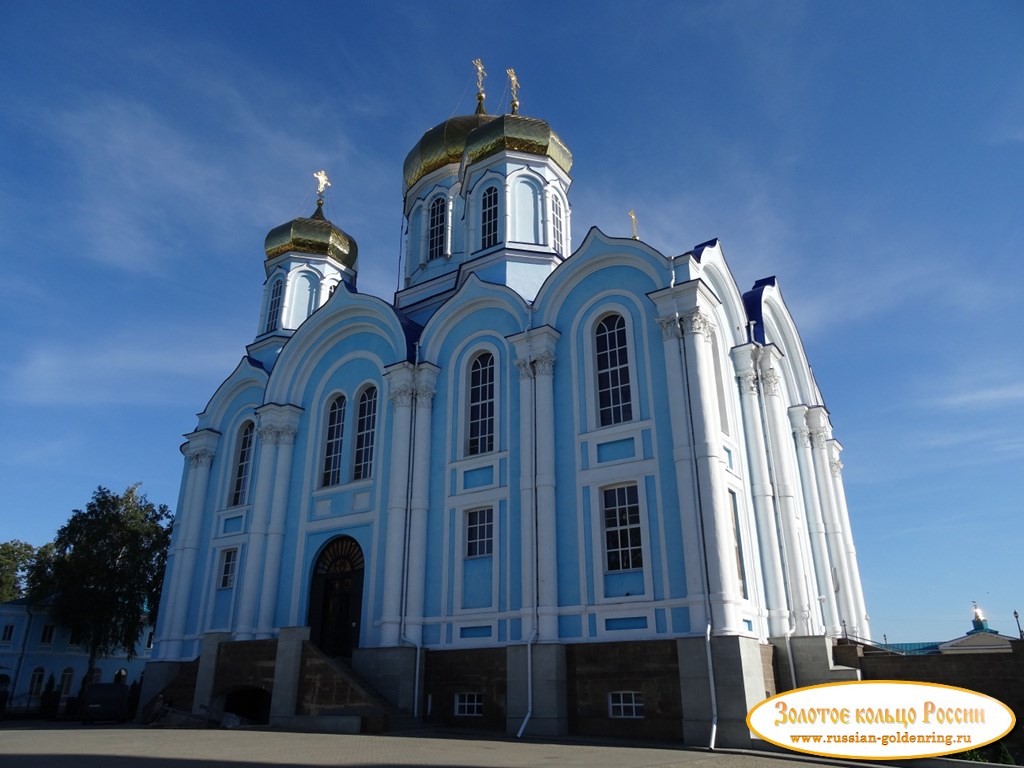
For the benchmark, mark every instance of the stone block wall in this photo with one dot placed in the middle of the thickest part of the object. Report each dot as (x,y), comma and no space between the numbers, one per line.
(481,670)
(650,667)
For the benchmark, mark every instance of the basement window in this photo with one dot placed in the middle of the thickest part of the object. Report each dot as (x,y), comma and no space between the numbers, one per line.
(469,704)
(626,705)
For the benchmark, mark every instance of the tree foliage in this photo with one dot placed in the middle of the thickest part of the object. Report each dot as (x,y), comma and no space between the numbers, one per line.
(15,557)
(101,576)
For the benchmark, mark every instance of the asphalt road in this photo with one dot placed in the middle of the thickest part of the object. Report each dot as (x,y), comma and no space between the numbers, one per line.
(34,745)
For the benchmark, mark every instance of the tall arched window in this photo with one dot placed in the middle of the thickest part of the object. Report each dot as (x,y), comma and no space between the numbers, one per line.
(481,405)
(489,218)
(243,463)
(274,309)
(557,224)
(615,405)
(435,228)
(332,446)
(366,428)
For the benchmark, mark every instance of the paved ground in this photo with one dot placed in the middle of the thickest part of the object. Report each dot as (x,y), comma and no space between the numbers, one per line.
(34,745)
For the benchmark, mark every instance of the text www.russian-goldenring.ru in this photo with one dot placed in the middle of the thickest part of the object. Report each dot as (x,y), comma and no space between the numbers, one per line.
(885,739)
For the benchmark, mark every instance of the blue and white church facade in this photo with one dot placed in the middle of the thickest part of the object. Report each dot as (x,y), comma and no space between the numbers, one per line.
(531,451)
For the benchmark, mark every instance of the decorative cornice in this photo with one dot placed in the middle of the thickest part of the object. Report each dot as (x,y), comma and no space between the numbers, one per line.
(770,381)
(670,327)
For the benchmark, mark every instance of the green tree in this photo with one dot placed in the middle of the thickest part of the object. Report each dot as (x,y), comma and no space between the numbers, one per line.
(15,557)
(102,574)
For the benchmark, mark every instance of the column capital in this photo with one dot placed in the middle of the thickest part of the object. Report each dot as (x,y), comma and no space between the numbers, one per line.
(525,368)
(199,458)
(544,364)
(748,382)
(837,467)
(670,327)
(770,381)
(697,322)
(819,438)
(803,436)
(402,396)
(424,383)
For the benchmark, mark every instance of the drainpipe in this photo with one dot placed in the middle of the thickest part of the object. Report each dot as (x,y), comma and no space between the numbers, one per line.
(700,519)
(529,683)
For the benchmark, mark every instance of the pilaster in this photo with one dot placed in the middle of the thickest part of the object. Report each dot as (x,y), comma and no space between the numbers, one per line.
(425,383)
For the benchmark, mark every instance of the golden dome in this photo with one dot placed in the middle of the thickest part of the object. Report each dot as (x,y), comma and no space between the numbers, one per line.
(441,145)
(314,235)
(518,134)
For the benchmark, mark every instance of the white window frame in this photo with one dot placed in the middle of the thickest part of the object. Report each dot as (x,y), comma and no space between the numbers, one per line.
(334,442)
(479,523)
(557,225)
(274,305)
(366,433)
(469,704)
(630,528)
(436,228)
(244,451)
(490,230)
(488,402)
(626,705)
(227,568)
(624,405)
(8,635)
(48,634)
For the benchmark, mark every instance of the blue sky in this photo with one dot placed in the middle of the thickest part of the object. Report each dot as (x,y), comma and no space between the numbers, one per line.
(870,154)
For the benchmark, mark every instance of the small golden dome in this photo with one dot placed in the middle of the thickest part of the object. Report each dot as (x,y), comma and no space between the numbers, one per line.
(518,134)
(314,235)
(441,145)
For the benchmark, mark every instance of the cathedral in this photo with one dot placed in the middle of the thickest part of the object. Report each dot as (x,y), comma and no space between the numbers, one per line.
(543,490)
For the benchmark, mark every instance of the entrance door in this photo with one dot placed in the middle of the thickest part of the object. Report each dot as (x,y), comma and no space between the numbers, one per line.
(336,597)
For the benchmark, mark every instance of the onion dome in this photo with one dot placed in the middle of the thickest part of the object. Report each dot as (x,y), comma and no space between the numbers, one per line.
(315,235)
(441,145)
(518,134)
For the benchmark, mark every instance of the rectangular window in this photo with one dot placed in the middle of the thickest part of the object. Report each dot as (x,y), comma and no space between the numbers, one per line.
(469,704)
(614,403)
(481,405)
(623,545)
(47,637)
(66,678)
(8,633)
(149,641)
(479,532)
(626,705)
(228,564)
(741,571)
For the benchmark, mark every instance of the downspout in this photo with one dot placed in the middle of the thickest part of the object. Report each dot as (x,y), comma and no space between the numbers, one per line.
(772,478)
(700,519)
(534,636)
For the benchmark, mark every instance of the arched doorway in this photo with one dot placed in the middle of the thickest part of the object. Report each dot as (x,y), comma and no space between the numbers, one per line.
(336,597)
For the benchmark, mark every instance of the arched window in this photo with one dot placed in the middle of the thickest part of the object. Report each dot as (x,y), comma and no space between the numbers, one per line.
(366,427)
(481,405)
(243,463)
(613,396)
(557,225)
(489,218)
(274,309)
(435,228)
(332,445)
(66,678)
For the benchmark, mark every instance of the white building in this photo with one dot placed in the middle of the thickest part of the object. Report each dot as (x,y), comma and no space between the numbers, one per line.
(531,456)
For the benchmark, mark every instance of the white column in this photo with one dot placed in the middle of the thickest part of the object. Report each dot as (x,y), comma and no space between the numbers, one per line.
(285,420)
(786,477)
(253,564)
(527,511)
(547,537)
(547,227)
(449,214)
(682,455)
(843,513)
(762,491)
(723,581)
(426,379)
(400,384)
(815,523)
(199,452)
